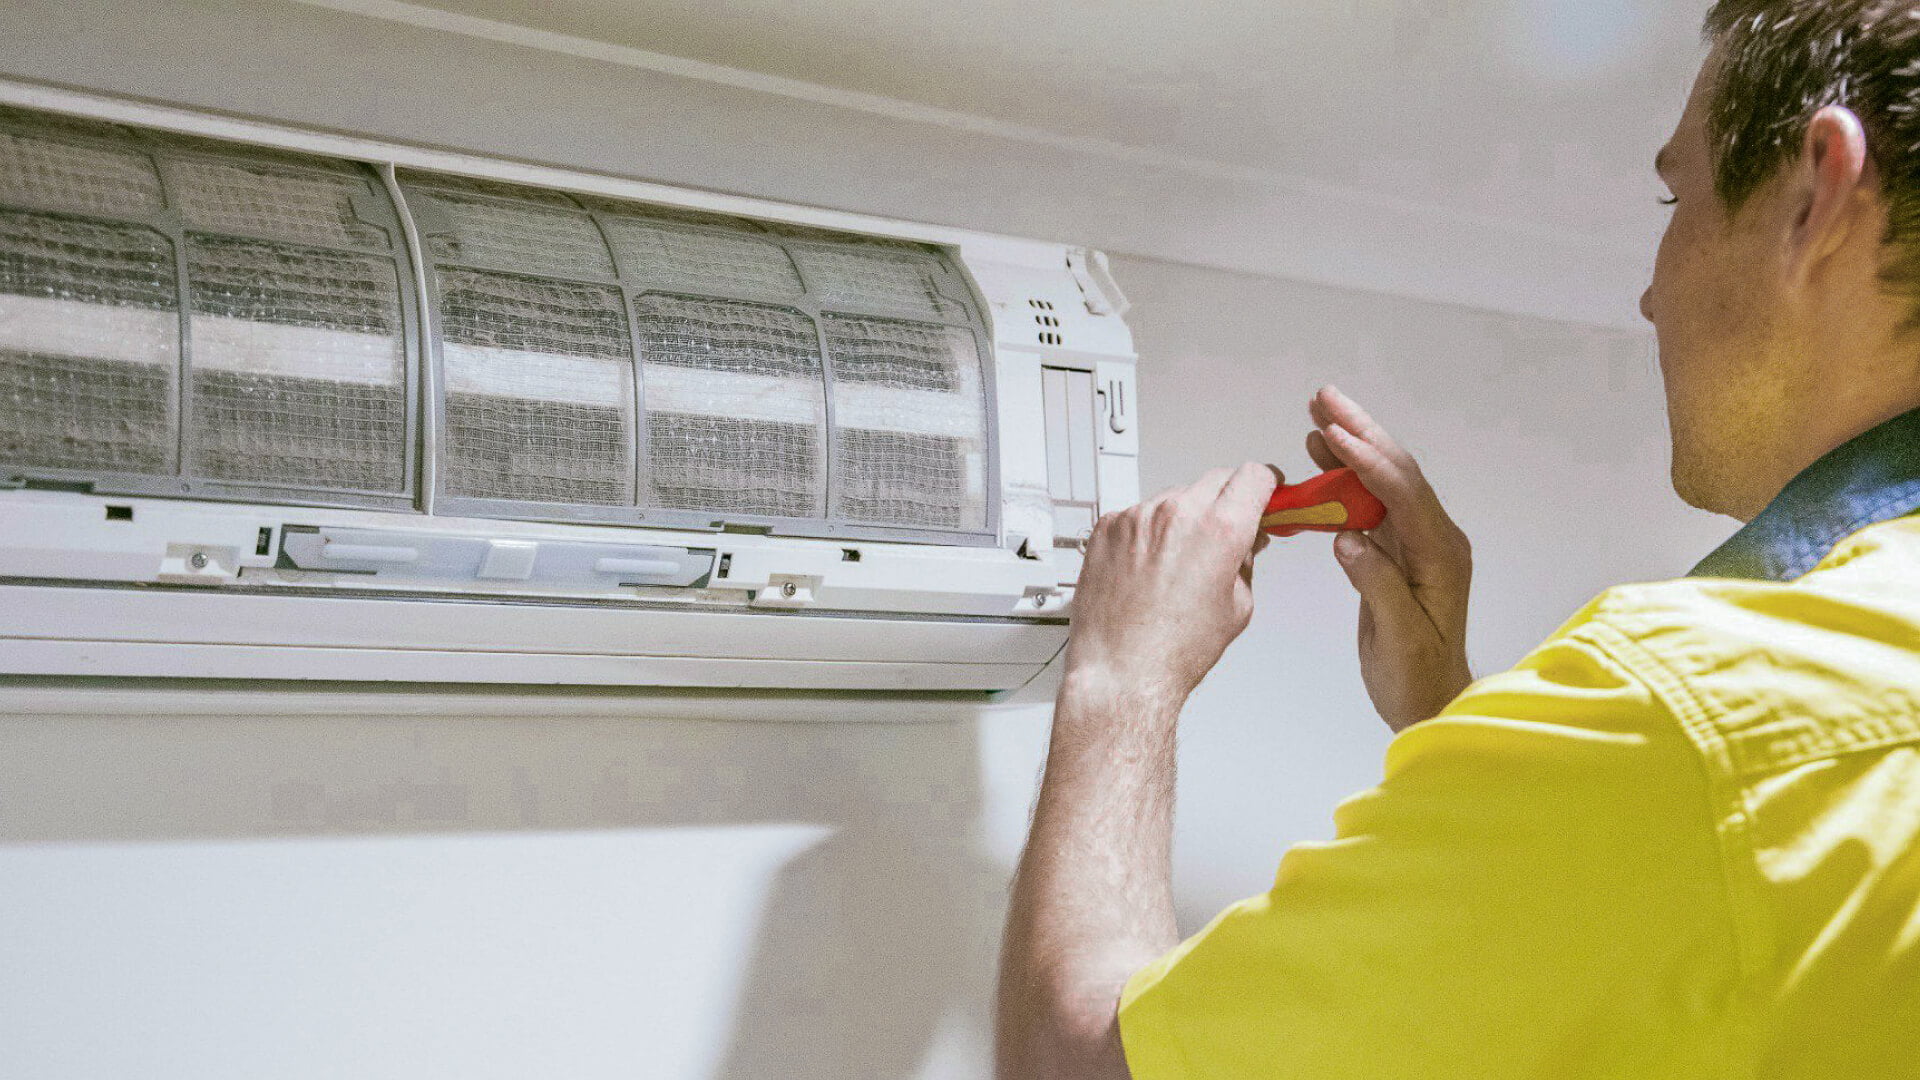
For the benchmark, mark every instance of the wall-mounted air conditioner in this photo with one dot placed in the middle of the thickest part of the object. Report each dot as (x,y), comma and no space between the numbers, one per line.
(279,405)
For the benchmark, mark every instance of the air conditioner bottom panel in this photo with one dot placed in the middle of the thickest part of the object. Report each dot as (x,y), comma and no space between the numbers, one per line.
(55,630)
(290,663)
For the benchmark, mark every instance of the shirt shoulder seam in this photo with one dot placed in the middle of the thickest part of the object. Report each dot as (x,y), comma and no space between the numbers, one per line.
(1732,816)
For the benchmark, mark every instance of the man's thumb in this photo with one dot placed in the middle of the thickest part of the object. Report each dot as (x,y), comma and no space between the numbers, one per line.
(1375,576)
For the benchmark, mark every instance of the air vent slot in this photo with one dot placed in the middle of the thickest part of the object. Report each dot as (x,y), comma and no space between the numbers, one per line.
(1048,322)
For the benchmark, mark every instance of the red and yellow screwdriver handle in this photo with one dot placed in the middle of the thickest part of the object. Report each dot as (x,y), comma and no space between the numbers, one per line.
(1335,501)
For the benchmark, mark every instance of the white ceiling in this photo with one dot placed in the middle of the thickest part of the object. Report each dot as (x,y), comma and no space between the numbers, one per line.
(1540,112)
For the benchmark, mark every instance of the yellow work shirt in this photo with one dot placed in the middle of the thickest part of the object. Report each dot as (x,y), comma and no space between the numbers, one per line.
(1679,839)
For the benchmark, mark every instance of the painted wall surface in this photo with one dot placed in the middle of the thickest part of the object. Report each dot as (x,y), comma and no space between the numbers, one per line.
(187,893)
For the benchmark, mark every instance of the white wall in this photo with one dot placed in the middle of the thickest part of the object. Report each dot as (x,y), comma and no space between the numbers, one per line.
(244,894)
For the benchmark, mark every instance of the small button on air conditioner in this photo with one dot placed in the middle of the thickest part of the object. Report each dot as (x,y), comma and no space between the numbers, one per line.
(279,405)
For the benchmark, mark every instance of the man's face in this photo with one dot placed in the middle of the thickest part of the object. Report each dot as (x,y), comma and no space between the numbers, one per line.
(1713,304)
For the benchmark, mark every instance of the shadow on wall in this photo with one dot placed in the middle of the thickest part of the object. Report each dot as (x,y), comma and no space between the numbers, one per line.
(868,942)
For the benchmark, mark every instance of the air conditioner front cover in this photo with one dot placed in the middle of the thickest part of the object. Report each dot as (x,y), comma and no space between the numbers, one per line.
(274,413)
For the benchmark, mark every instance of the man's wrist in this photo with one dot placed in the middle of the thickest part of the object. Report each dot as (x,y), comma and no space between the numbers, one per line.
(1103,697)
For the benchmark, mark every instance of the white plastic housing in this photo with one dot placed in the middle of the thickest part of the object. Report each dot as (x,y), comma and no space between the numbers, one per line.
(166,585)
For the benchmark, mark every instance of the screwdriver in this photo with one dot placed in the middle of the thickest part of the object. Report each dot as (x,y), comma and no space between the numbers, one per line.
(1335,501)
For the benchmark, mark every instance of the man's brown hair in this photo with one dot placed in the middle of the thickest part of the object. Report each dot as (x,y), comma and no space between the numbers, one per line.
(1783,61)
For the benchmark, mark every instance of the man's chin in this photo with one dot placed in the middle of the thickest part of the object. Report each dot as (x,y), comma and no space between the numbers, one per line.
(1704,492)
(1690,486)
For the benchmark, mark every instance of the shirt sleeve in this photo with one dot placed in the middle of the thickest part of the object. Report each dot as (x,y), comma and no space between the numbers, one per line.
(1534,889)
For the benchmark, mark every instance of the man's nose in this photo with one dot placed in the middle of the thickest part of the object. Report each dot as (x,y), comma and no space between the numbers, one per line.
(1646,304)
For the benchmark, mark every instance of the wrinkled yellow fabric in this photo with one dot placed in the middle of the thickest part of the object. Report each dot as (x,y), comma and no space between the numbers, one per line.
(1679,839)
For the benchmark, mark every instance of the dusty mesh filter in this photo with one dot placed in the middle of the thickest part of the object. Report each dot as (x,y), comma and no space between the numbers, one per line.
(299,366)
(731,405)
(89,345)
(69,174)
(888,278)
(60,124)
(668,255)
(298,351)
(678,215)
(298,359)
(539,389)
(910,415)
(413,179)
(175,144)
(736,407)
(296,355)
(521,235)
(303,205)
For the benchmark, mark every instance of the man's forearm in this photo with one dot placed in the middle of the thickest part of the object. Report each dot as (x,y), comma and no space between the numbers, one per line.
(1092,901)
(1164,589)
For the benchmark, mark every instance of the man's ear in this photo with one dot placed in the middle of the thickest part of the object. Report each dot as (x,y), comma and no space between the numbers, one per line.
(1834,175)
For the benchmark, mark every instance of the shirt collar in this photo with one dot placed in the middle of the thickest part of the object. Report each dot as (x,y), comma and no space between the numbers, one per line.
(1871,478)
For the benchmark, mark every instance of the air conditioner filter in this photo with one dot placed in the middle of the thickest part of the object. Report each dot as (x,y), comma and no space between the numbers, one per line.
(181,315)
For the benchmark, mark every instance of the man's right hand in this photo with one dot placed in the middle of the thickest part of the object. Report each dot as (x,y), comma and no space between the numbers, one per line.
(1412,573)
(1168,584)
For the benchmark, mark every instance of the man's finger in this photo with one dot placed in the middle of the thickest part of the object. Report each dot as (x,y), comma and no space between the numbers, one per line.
(1390,473)
(1343,410)
(1207,488)
(1244,495)
(1377,471)
(1322,455)
(1260,543)
(1377,579)
(1418,540)
(1201,491)
(1387,538)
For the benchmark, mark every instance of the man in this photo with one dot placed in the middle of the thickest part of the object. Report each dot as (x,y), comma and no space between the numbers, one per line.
(1682,837)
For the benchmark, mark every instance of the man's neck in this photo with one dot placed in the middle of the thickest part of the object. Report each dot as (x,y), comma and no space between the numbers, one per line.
(1869,478)
(1838,415)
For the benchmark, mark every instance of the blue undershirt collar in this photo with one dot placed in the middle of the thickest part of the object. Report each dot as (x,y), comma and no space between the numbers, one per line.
(1871,478)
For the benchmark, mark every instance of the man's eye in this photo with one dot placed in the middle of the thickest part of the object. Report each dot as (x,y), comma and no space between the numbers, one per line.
(1668,201)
